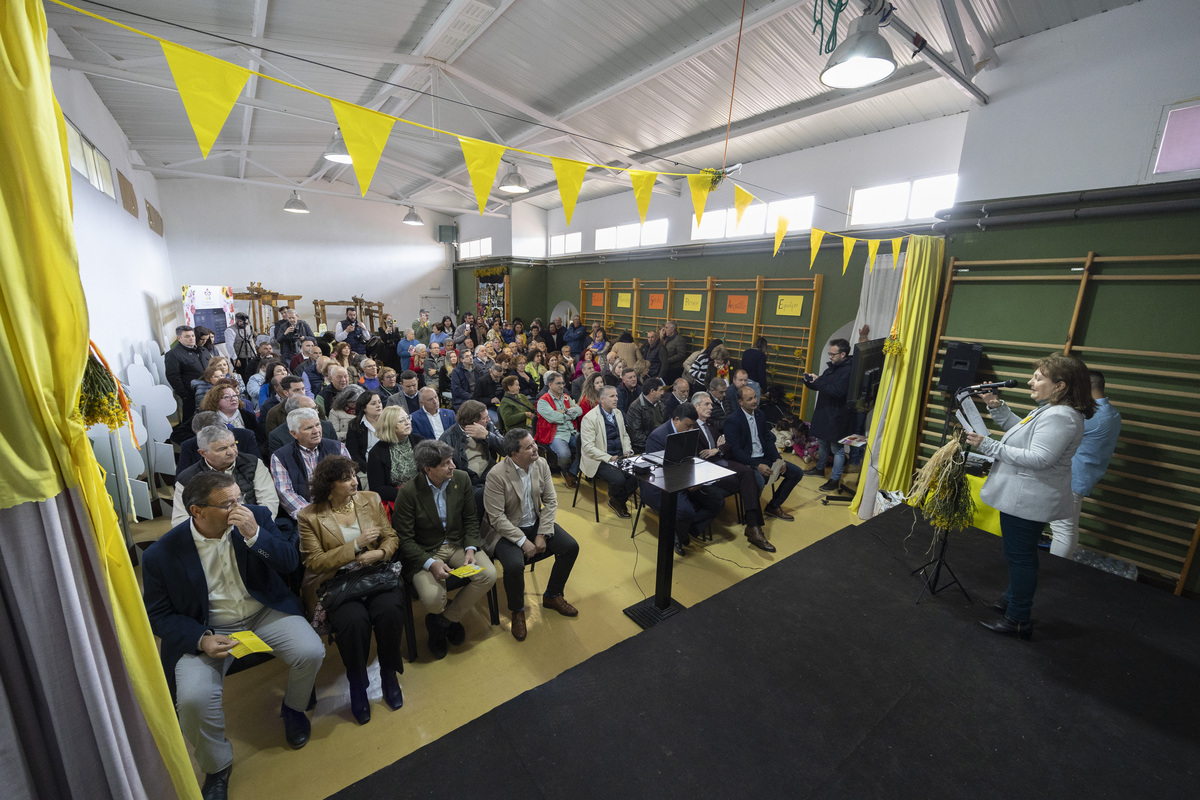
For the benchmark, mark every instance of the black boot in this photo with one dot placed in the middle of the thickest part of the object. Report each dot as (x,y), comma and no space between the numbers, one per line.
(1008,627)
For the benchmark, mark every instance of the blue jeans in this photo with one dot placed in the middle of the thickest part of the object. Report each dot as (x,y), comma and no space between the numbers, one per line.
(839,457)
(564,449)
(1020,539)
(788,480)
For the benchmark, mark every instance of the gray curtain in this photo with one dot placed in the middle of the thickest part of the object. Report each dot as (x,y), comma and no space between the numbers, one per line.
(70,725)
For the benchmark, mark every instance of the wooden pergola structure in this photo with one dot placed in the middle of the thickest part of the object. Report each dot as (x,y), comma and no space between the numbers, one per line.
(260,301)
(370,312)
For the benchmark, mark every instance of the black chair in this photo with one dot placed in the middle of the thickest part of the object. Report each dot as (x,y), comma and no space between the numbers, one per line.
(595,502)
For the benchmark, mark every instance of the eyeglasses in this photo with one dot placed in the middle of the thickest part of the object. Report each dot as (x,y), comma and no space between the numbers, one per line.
(229,397)
(230,506)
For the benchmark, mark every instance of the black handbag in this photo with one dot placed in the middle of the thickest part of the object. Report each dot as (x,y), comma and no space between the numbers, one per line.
(358,583)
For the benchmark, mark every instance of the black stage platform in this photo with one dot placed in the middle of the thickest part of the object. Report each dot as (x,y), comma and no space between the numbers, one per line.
(821,678)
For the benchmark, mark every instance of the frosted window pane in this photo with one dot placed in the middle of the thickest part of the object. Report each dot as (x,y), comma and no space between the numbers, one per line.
(879,204)
(930,195)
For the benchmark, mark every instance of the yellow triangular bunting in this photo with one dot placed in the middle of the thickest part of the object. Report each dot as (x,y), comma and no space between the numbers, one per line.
(208,88)
(780,229)
(741,201)
(847,249)
(570,178)
(814,244)
(896,251)
(366,133)
(701,185)
(643,185)
(483,160)
(872,250)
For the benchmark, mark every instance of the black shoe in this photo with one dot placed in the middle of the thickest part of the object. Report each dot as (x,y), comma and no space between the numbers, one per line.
(815,472)
(216,785)
(437,635)
(830,486)
(456,633)
(1007,627)
(296,727)
(1000,606)
(392,694)
(360,706)
(679,551)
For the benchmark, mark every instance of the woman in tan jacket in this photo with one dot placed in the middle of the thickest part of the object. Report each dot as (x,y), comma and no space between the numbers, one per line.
(628,351)
(341,531)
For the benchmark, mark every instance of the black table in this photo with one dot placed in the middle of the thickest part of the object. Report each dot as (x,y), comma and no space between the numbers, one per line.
(670,480)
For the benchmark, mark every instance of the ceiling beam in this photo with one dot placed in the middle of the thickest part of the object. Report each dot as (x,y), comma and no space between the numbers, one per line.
(935,60)
(958,38)
(977,35)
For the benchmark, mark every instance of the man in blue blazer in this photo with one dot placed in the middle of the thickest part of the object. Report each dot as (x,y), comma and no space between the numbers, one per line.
(221,572)
(695,508)
(430,421)
(752,443)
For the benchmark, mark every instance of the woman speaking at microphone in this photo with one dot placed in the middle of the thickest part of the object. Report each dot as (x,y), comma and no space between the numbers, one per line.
(1030,480)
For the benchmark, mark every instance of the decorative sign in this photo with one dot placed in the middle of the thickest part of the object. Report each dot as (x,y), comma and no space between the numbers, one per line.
(737,303)
(789,305)
(624,299)
(691,302)
(598,299)
(656,302)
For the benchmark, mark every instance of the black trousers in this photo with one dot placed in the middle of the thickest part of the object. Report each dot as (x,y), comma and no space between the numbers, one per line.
(352,623)
(742,482)
(561,545)
(621,486)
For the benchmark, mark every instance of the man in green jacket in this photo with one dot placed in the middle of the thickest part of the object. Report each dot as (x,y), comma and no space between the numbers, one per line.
(676,346)
(438,526)
(421,327)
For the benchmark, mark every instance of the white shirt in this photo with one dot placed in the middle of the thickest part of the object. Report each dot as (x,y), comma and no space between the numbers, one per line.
(756,450)
(435,422)
(372,439)
(228,599)
(528,515)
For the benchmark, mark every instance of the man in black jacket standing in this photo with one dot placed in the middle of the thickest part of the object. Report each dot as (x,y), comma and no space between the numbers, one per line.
(290,331)
(831,418)
(185,363)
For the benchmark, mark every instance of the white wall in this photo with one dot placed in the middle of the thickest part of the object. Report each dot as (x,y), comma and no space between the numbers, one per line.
(232,234)
(1078,107)
(472,226)
(529,236)
(123,265)
(831,172)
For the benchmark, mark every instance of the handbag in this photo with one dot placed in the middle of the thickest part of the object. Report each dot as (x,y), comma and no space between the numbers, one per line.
(358,583)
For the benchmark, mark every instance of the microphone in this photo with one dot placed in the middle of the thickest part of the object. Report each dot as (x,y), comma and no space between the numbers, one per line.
(981,388)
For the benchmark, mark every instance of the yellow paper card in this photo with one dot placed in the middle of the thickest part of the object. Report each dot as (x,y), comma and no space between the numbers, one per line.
(814,244)
(466,570)
(789,305)
(248,642)
(643,185)
(692,302)
(483,160)
(624,299)
(208,87)
(570,179)
(366,134)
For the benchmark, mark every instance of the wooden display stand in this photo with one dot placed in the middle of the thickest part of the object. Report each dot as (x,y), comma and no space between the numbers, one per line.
(261,300)
(370,312)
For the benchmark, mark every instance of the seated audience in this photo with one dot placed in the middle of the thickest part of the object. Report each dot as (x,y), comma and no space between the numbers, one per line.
(218,452)
(218,368)
(443,378)
(407,396)
(655,355)
(339,379)
(462,380)
(628,389)
(680,393)
(587,368)
(627,350)
(345,406)
(432,364)
(292,465)
(388,385)
(731,402)
(290,331)
(370,375)
(751,443)
(361,436)
(188,451)
(390,463)
(590,396)
(259,378)
(717,388)
(225,400)
(431,420)
(712,447)
(603,441)
(516,409)
(696,508)
(342,531)
(576,336)
(477,444)
(489,390)
(404,348)
(645,413)
(436,519)
(236,549)
(281,435)
(556,426)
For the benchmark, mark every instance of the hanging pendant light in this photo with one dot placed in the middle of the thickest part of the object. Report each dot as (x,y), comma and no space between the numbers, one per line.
(412,218)
(337,152)
(513,183)
(295,204)
(863,57)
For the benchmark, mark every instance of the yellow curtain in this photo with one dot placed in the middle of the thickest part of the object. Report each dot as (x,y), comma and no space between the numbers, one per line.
(43,347)
(892,438)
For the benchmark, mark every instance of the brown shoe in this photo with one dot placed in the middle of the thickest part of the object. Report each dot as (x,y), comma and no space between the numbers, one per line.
(560,605)
(619,509)
(756,537)
(519,630)
(569,479)
(778,513)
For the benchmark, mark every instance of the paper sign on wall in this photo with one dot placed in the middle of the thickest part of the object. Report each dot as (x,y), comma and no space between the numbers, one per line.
(789,305)
(737,303)
(598,298)
(691,302)
(624,299)
(656,302)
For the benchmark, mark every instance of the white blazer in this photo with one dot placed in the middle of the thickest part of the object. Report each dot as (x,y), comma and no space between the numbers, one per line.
(1031,476)
(593,440)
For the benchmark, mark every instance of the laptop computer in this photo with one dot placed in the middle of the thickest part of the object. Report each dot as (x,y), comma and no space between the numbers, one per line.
(680,447)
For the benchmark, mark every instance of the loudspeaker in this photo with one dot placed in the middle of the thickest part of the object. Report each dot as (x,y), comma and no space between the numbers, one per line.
(958,370)
(447,234)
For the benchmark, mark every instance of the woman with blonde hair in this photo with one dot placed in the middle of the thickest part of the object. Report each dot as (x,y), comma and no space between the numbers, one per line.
(390,463)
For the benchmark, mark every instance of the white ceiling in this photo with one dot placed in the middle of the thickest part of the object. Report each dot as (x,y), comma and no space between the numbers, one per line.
(618,82)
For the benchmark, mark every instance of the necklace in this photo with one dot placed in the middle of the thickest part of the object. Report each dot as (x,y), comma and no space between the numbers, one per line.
(346,509)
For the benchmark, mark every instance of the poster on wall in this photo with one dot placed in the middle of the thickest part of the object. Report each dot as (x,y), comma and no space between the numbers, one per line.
(210,307)
(489,292)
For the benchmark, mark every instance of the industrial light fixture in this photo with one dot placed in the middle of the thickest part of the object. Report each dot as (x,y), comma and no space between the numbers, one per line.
(513,183)
(863,57)
(412,218)
(295,204)
(337,152)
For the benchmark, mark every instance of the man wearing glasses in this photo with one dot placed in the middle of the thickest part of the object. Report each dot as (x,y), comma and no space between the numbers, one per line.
(832,418)
(221,572)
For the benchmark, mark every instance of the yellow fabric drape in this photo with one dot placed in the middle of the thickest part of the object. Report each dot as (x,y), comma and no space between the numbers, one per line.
(903,377)
(43,347)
